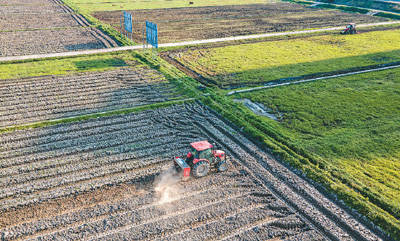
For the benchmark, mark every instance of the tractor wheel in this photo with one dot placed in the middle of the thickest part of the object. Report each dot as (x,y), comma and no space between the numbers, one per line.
(201,169)
(222,166)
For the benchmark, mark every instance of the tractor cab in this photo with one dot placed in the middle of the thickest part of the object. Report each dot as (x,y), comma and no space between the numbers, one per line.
(200,159)
(200,150)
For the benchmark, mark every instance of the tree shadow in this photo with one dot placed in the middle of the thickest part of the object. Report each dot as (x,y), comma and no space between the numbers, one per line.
(100,63)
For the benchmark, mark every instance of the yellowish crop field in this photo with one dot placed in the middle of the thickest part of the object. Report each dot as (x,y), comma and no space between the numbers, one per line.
(262,62)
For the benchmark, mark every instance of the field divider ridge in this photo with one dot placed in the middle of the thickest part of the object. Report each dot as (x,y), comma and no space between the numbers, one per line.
(268,86)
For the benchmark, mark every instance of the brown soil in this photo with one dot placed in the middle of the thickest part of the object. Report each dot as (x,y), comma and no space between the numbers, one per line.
(68,204)
(52,97)
(183,24)
(12,22)
(48,41)
(55,185)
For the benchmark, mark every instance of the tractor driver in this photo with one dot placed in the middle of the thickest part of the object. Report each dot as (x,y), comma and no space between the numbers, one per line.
(190,157)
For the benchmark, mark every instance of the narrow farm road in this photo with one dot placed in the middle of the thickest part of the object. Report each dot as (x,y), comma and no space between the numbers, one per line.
(267,86)
(186,43)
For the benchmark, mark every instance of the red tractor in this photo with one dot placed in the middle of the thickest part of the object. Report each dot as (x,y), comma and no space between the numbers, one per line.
(350,29)
(200,159)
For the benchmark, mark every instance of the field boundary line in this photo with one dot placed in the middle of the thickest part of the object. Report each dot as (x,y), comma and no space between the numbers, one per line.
(185,43)
(310,80)
(92,116)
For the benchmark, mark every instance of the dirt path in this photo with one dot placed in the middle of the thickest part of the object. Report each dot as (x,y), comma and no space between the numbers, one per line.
(187,43)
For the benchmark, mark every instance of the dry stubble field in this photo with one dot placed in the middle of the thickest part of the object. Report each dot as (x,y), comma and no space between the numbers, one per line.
(183,24)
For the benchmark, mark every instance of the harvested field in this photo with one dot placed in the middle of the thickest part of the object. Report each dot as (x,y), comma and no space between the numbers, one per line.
(179,24)
(51,41)
(110,5)
(12,22)
(46,27)
(39,9)
(26,2)
(52,178)
(50,97)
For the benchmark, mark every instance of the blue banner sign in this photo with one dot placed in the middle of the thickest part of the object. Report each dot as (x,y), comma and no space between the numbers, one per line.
(152,34)
(128,22)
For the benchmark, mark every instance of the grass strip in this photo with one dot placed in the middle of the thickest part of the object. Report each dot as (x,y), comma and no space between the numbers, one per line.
(388,15)
(343,8)
(66,65)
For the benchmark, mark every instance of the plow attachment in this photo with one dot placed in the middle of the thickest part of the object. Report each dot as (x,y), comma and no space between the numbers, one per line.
(182,167)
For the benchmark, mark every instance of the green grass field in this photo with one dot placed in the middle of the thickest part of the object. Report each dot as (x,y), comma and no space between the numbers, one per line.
(111,5)
(65,65)
(265,61)
(352,124)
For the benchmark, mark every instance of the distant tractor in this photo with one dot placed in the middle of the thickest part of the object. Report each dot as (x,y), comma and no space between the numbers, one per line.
(201,158)
(350,29)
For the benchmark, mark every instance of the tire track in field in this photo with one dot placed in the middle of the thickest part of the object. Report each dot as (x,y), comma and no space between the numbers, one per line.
(150,204)
(330,219)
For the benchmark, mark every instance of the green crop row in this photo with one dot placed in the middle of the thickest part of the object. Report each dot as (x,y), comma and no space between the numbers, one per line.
(344,8)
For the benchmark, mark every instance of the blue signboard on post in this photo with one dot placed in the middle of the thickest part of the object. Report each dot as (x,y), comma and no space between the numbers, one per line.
(128,22)
(151,34)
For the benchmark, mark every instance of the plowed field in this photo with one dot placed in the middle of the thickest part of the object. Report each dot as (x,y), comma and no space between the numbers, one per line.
(94,180)
(179,24)
(45,26)
(42,98)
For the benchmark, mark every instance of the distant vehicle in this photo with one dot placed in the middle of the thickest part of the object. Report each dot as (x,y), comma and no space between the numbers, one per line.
(350,29)
(200,159)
